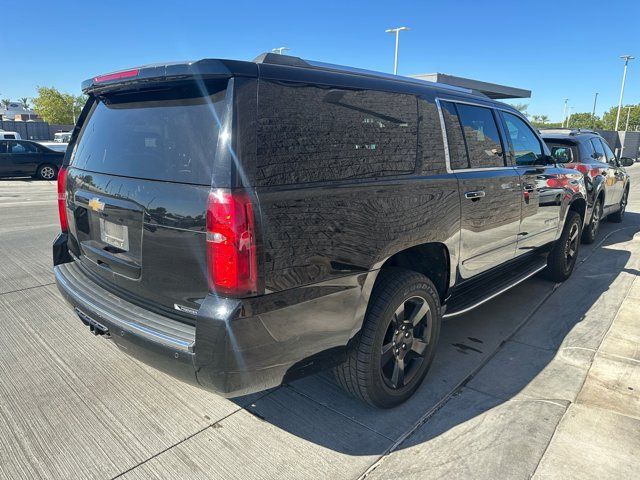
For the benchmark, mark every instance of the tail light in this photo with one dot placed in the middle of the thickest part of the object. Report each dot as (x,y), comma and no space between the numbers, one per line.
(62,199)
(231,244)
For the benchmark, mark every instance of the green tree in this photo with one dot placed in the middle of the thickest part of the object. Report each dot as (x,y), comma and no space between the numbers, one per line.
(58,107)
(5,102)
(544,119)
(522,108)
(584,120)
(25,102)
(609,118)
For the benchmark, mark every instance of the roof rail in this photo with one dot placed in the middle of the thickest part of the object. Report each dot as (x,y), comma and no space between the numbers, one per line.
(568,131)
(288,60)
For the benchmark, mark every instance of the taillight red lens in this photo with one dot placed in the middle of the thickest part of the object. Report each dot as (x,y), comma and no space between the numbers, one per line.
(231,244)
(109,77)
(62,199)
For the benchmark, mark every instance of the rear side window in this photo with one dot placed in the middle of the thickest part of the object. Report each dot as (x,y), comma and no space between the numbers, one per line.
(481,136)
(166,134)
(457,151)
(312,133)
(3,147)
(561,153)
(22,147)
(526,146)
(599,149)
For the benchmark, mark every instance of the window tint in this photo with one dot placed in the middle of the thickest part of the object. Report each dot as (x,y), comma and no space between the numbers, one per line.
(457,150)
(310,133)
(525,144)
(10,136)
(561,154)
(3,147)
(430,142)
(167,134)
(481,135)
(608,153)
(22,147)
(597,146)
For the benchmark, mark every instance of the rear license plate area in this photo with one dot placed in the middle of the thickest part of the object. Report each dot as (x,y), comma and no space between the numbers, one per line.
(114,234)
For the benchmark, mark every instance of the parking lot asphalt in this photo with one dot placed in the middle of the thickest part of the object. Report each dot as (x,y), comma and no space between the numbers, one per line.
(542,381)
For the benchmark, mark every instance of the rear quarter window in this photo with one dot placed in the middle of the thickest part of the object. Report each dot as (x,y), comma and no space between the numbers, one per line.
(167,134)
(310,133)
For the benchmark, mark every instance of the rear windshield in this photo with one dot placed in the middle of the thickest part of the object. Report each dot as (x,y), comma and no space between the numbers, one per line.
(167,133)
(562,153)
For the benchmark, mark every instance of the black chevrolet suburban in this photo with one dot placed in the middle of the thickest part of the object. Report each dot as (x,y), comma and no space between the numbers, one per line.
(241,224)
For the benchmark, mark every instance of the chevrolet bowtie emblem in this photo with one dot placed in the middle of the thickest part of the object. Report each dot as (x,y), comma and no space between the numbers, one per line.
(96,205)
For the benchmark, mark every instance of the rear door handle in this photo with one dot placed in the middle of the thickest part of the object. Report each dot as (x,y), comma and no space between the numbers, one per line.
(475,194)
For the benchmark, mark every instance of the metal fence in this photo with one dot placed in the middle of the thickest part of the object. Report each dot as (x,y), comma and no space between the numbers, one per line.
(34,130)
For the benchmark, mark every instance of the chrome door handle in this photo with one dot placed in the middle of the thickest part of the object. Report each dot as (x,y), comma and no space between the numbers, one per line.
(475,194)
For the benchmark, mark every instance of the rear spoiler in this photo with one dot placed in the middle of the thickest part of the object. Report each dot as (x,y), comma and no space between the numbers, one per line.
(168,71)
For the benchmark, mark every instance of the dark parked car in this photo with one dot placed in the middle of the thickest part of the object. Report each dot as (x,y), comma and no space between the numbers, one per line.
(245,223)
(28,158)
(606,180)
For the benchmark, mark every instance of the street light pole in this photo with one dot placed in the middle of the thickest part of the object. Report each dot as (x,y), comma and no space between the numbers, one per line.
(628,115)
(593,113)
(626,59)
(397,33)
(564,112)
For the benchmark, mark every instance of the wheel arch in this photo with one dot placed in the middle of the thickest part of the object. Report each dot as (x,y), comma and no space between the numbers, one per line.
(579,205)
(599,190)
(431,259)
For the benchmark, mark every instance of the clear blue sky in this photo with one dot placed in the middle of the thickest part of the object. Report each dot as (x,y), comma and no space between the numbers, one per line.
(556,48)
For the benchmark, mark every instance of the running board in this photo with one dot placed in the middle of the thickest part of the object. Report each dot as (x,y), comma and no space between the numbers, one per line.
(473,297)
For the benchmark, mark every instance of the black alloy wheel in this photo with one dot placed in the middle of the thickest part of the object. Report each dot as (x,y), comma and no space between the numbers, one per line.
(394,349)
(405,342)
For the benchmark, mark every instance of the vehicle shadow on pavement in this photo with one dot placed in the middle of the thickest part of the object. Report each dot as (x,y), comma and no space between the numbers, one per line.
(529,349)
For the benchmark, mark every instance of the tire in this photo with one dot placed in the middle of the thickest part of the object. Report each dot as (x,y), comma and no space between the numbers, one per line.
(562,258)
(619,215)
(47,172)
(590,233)
(372,370)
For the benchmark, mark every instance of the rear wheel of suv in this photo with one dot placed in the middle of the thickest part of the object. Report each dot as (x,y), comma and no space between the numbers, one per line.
(564,253)
(397,342)
(589,234)
(619,215)
(47,172)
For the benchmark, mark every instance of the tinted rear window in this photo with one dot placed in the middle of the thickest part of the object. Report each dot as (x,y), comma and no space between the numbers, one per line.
(164,134)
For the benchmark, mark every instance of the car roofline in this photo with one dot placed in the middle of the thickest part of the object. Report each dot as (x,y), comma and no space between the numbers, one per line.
(211,68)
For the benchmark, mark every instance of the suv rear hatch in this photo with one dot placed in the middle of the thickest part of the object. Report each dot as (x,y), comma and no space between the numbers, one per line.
(137,189)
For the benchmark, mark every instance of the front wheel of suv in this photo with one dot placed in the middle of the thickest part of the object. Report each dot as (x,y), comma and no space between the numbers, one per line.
(396,345)
(564,253)
(591,231)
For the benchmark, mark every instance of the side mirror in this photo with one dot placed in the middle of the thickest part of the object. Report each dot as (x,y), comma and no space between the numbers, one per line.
(626,161)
